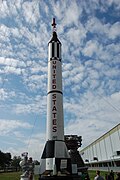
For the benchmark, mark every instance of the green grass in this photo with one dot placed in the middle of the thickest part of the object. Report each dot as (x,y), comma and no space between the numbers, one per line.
(16,175)
(12,176)
(92,174)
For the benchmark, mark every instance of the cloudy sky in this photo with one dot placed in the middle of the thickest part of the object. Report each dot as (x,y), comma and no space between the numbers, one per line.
(90,34)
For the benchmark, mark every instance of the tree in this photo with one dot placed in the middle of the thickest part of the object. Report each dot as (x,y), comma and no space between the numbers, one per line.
(5,160)
(1,159)
(15,162)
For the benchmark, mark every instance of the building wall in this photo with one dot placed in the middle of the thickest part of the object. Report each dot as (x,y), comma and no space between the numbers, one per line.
(104,148)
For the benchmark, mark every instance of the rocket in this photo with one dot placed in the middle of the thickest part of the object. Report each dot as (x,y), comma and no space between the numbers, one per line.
(55,160)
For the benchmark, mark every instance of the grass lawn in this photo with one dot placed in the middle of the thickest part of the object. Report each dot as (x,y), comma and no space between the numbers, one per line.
(12,176)
(16,175)
(92,174)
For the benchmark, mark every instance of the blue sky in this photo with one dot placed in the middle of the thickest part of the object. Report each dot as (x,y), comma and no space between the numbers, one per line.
(90,34)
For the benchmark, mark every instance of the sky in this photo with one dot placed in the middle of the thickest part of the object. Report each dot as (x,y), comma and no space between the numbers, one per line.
(89,31)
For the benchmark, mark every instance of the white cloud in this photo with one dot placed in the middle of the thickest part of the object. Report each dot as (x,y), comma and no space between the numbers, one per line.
(90,51)
(4,32)
(72,13)
(115,97)
(38,105)
(114,30)
(76,35)
(89,129)
(11,62)
(31,11)
(5,94)
(107,4)
(32,82)
(94,25)
(37,78)
(91,48)
(3,8)
(92,115)
(44,6)
(8,126)
(11,70)
(37,141)
(108,30)
(93,106)
(56,8)
(15,32)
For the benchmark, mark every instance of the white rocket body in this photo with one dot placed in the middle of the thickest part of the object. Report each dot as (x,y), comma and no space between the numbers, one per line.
(55,124)
(55,155)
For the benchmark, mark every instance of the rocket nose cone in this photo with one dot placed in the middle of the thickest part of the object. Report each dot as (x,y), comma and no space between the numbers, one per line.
(54,38)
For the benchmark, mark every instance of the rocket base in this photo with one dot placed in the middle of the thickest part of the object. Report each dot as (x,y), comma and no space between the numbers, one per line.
(71,177)
(55,160)
(56,177)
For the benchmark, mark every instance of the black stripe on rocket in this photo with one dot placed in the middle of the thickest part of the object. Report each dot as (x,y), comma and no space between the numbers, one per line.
(49,150)
(54,91)
(55,51)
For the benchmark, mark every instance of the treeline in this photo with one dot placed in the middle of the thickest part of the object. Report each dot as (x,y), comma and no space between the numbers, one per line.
(7,163)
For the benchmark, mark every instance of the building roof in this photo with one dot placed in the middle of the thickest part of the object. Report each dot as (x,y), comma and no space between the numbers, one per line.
(114,129)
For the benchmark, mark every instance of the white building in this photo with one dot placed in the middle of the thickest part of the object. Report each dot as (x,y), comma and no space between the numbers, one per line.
(104,152)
